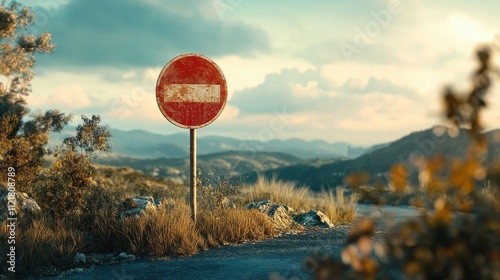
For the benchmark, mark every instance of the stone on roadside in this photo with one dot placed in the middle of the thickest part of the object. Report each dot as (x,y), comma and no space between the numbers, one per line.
(314,218)
(126,257)
(80,258)
(145,202)
(137,206)
(20,202)
(279,215)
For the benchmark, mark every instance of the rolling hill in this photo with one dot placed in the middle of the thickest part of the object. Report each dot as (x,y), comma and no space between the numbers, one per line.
(378,162)
(313,163)
(146,145)
(235,163)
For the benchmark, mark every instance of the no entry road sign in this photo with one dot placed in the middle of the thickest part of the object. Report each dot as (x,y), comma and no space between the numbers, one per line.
(191,91)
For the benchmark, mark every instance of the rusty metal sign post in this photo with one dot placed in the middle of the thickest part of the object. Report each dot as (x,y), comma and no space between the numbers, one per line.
(191,92)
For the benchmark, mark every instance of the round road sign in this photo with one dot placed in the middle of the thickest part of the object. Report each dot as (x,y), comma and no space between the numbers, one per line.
(191,91)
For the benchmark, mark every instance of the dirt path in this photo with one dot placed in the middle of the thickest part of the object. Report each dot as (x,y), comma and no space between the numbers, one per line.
(256,260)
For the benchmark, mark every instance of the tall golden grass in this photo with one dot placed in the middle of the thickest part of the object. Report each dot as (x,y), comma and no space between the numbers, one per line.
(171,231)
(41,243)
(44,244)
(163,231)
(338,206)
(225,226)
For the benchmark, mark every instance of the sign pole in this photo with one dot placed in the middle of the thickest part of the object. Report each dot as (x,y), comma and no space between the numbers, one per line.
(193,173)
(191,92)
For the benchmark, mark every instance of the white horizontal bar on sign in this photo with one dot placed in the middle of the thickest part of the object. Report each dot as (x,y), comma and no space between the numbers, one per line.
(191,93)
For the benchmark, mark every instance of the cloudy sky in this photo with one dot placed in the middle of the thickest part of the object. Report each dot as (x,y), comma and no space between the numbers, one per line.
(361,71)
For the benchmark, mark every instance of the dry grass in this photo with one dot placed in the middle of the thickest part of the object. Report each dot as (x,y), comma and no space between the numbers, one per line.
(159,232)
(275,190)
(45,244)
(42,243)
(339,207)
(233,226)
(171,231)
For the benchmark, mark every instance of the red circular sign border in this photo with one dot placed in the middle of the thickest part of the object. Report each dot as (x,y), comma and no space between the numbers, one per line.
(165,68)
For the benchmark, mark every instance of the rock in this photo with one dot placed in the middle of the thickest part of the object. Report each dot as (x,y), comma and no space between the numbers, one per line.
(80,258)
(145,202)
(20,202)
(280,217)
(314,218)
(126,257)
(94,259)
(139,202)
(137,206)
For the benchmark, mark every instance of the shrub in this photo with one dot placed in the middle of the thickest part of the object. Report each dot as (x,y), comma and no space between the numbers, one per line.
(62,189)
(459,238)
(217,194)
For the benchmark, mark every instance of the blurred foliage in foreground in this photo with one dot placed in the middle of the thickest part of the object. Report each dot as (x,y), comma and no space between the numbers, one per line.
(458,238)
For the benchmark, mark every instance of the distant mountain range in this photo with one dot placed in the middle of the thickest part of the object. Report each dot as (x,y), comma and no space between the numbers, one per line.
(146,145)
(218,165)
(317,164)
(379,161)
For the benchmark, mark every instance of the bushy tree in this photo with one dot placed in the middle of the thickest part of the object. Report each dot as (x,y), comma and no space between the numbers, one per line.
(23,138)
(63,188)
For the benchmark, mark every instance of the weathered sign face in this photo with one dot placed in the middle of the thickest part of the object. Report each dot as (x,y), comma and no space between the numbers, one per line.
(191,91)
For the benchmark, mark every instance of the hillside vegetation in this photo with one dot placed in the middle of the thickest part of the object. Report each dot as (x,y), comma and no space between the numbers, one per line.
(236,162)
(377,164)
